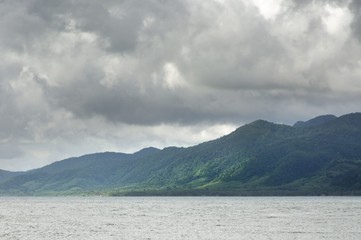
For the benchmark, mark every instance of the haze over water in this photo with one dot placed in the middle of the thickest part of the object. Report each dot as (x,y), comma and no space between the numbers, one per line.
(180,218)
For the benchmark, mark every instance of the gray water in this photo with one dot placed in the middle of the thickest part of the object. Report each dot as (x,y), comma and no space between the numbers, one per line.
(181,218)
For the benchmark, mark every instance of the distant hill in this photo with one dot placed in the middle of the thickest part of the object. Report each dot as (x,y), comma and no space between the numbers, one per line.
(5,175)
(319,156)
(315,121)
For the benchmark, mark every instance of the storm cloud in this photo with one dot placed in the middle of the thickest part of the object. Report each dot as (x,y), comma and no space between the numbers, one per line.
(86,76)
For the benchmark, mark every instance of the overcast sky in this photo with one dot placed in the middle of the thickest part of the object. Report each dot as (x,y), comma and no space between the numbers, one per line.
(89,76)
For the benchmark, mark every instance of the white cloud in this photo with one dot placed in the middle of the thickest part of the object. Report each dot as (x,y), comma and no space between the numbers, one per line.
(337,20)
(172,77)
(269,9)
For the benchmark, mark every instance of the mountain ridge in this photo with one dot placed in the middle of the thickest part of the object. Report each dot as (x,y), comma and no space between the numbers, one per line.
(259,158)
(315,121)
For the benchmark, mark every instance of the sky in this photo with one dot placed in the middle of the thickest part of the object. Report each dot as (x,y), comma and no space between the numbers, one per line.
(86,76)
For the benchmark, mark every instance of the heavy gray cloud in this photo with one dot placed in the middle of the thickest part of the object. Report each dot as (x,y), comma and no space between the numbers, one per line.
(86,76)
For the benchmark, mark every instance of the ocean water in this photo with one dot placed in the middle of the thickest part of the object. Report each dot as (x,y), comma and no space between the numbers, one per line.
(180,218)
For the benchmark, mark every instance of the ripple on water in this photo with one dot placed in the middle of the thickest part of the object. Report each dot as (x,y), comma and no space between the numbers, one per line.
(181,218)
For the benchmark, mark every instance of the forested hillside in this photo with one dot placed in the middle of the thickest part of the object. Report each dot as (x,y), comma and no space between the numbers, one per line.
(320,156)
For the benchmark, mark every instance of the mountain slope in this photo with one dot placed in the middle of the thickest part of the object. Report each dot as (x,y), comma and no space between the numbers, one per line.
(266,155)
(5,175)
(321,157)
(315,121)
(87,172)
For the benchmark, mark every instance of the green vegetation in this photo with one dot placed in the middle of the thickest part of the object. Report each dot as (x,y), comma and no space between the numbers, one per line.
(320,156)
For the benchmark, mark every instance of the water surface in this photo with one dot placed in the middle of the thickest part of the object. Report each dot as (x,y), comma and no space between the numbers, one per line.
(180,218)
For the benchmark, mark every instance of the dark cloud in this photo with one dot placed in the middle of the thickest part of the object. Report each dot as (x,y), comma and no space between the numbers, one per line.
(303,3)
(355,7)
(117,23)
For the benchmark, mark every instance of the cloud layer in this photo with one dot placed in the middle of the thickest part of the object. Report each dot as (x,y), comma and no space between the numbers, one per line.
(86,76)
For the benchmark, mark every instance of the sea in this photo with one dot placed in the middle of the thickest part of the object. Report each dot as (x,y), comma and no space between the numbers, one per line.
(217,218)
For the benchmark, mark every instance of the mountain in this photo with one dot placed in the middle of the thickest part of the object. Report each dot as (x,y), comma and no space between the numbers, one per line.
(5,175)
(87,172)
(319,156)
(315,121)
